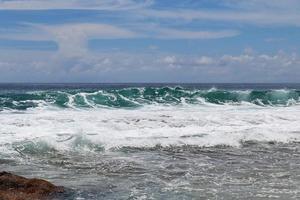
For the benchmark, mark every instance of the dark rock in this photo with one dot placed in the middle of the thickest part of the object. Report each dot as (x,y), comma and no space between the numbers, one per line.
(13,187)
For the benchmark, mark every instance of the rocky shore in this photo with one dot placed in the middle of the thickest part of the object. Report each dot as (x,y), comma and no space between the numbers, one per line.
(13,187)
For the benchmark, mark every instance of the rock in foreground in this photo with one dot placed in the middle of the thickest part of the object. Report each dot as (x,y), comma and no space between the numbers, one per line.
(13,187)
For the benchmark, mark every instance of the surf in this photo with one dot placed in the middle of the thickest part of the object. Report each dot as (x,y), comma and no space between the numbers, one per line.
(137,97)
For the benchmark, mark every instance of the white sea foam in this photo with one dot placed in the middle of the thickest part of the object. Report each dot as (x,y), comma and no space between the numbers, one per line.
(202,125)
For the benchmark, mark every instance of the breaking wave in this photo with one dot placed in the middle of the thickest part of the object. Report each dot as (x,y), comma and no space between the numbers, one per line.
(76,120)
(141,96)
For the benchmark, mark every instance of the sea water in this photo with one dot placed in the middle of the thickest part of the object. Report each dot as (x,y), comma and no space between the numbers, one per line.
(155,141)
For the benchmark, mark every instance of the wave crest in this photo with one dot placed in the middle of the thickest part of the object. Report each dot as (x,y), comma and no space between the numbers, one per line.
(137,97)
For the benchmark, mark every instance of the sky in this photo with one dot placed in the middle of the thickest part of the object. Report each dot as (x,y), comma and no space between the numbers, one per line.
(232,41)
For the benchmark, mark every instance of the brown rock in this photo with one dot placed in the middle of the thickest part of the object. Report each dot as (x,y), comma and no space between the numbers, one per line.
(13,187)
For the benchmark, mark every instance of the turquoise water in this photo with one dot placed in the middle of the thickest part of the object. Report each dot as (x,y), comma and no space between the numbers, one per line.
(141,96)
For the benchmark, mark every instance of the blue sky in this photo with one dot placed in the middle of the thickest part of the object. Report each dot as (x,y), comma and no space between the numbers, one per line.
(149,41)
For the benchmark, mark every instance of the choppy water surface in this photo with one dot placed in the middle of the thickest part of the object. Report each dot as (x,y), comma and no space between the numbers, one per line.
(155,141)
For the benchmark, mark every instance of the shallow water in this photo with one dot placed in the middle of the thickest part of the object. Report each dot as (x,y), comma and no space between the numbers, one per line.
(174,144)
(252,171)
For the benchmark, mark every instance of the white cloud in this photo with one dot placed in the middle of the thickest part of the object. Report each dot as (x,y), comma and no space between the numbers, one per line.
(204,60)
(278,5)
(24,32)
(165,33)
(74,4)
(121,67)
(247,62)
(228,59)
(73,38)
(169,60)
(242,14)
(261,12)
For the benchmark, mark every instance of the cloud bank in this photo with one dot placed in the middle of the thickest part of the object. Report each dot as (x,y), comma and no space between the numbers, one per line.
(124,67)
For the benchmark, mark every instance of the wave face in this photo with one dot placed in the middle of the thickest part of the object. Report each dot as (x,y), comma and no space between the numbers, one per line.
(143,96)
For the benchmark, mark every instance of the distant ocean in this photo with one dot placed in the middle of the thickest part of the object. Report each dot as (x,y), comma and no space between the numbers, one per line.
(155,141)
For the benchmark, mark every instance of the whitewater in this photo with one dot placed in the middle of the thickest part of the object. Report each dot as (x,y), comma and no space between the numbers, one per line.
(155,142)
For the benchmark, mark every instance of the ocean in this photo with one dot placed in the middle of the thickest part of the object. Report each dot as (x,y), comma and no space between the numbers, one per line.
(155,141)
